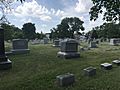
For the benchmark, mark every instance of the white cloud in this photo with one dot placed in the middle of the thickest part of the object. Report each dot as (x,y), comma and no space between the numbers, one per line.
(33,9)
(83,6)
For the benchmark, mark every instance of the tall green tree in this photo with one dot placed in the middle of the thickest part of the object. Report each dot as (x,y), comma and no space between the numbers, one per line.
(111,7)
(67,27)
(29,31)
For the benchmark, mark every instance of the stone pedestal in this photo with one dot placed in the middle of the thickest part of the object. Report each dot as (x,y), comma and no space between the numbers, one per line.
(117,62)
(90,71)
(5,63)
(106,66)
(20,46)
(69,49)
(65,80)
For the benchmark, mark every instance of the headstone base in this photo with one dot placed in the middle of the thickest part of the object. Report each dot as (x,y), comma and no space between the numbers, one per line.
(56,45)
(8,53)
(20,51)
(5,65)
(68,55)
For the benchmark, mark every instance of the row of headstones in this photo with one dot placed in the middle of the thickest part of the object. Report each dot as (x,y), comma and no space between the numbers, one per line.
(38,41)
(69,79)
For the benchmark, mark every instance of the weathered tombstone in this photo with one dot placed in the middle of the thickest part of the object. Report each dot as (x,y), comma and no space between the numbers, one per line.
(115,41)
(46,40)
(90,71)
(56,43)
(20,46)
(34,42)
(69,49)
(93,44)
(112,42)
(117,62)
(65,80)
(106,66)
(5,63)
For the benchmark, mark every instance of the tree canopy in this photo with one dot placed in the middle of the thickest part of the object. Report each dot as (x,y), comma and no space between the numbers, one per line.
(67,27)
(29,30)
(109,8)
(107,30)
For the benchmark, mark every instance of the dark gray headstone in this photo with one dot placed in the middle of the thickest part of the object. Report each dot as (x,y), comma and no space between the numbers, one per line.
(106,66)
(69,49)
(65,80)
(90,71)
(93,44)
(5,63)
(20,46)
(117,62)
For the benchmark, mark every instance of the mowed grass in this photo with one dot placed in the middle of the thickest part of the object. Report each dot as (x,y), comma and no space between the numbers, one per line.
(38,69)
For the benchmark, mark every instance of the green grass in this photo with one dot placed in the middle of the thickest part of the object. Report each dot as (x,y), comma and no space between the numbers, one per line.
(38,69)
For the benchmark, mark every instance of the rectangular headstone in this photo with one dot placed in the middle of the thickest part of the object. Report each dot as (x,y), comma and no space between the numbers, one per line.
(65,80)
(90,71)
(106,66)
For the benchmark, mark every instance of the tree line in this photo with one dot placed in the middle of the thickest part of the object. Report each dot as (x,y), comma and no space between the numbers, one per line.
(28,31)
(106,30)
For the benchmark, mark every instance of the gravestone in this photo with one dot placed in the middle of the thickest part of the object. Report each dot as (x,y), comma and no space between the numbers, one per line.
(34,42)
(56,43)
(65,80)
(115,41)
(117,62)
(46,40)
(90,71)
(93,44)
(69,49)
(20,46)
(106,66)
(5,63)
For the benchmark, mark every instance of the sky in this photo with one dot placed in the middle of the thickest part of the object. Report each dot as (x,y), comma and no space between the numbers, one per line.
(46,14)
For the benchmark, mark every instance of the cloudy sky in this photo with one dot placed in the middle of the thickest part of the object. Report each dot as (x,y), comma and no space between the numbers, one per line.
(46,14)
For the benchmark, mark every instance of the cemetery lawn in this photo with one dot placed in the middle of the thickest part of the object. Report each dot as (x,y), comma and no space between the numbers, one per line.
(38,69)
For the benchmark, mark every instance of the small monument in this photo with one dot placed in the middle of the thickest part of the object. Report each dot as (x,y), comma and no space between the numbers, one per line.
(56,43)
(69,49)
(90,71)
(65,80)
(20,46)
(46,40)
(114,41)
(106,66)
(93,44)
(117,62)
(5,63)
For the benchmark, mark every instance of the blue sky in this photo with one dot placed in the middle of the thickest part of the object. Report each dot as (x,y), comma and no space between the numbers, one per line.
(46,14)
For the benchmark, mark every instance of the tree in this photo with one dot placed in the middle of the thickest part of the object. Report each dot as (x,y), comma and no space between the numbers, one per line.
(111,13)
(108,30)
(67,27)
(8,30)
(29,31)
(40,35)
